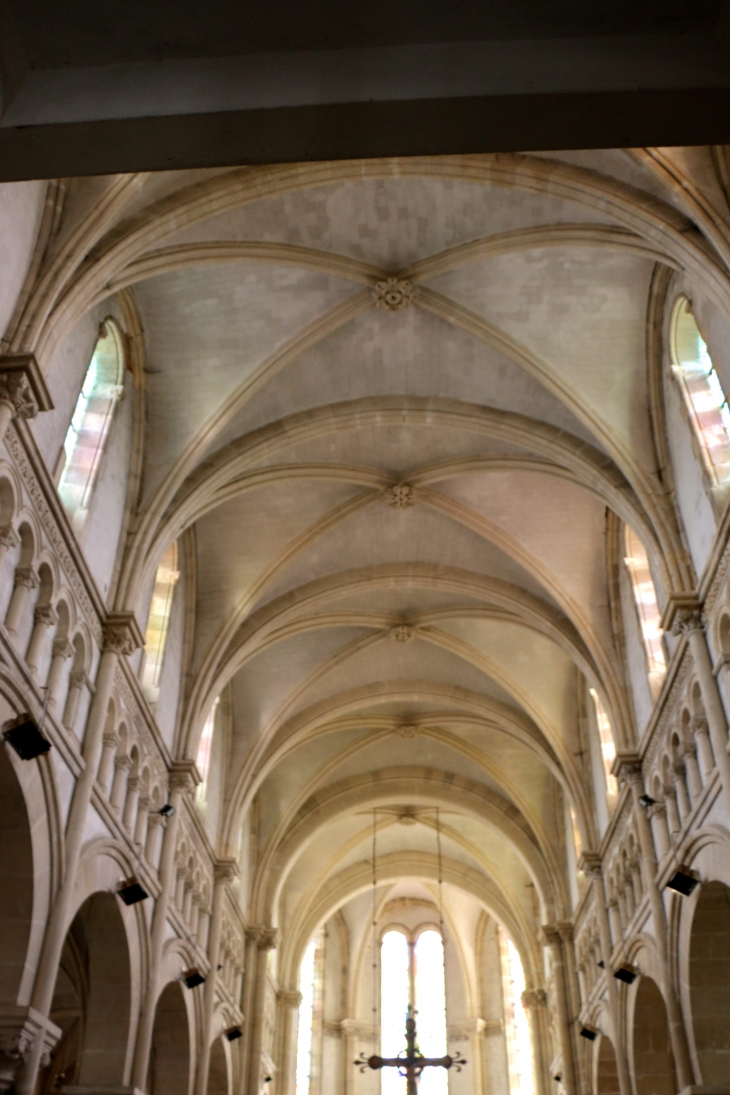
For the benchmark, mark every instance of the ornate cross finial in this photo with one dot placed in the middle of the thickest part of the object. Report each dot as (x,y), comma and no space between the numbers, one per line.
(401,496)
(394,294)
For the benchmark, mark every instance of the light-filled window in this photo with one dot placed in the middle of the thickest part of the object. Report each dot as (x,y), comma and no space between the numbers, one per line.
(87,434)
(158,622)
(202,760)
(431,1009)
(311,986)
(647,607)
(517,1025)
(429,987)
(702,390)
(608,749)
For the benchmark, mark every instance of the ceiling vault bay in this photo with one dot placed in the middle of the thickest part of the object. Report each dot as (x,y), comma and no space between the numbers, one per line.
(513,397)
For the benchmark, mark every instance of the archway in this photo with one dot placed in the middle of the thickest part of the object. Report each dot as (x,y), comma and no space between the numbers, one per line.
(606,1068)
(16,892)
(169,1072)
(218,1069)
(92,1000)
(709,975)
(653,1061)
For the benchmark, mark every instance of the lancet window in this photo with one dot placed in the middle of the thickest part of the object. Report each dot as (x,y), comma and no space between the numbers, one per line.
(311,986)
(703,393)
(413,973)
(517,1028)
(86,437)
(158,622)
(608,749)
(202,760)
(647,607)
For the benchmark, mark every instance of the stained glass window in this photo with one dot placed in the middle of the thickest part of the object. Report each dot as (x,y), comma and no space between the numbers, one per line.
(608,749)
(87,434)
(158,622)
(306,1013)
(647,607)
(429,987)
(431,1009)
(202,760)
(394,998)
(702,390)
(517,1025)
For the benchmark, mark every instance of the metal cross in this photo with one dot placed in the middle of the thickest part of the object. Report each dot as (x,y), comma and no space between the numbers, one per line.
(412,1064)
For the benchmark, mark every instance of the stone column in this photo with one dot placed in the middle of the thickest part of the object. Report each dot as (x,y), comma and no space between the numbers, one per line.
(627,767)
(154,828)
(223,871)
(77,681)
(140,825)
(692,769)
(658,816)
(121,638)
(44,618)
(122,765)
(687,620)
(60,653)
(591,863)
(287,1025)
(110,740)
(551,939)
(23,390)
(701,732)
(24,581)
(266,942)
(130,804)
(182,780)
(253,934)
(535,1002)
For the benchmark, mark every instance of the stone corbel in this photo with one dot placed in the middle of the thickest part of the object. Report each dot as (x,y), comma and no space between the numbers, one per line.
(19,1028)
(122,633)
(681,612)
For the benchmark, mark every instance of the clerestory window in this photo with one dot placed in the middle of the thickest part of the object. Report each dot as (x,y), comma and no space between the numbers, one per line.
(703,393)
(202,760)
(92,417)
(647,608)
(311,986)
(608,749)
(158,622)
(413,974)
(517,1026)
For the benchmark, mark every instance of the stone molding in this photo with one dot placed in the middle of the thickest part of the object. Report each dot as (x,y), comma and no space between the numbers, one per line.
(289,998)
(534,998)
(122,633)
(401,496)
(403,633)
(224,870)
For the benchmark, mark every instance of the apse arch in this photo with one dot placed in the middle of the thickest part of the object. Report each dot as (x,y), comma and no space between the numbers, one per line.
(395,867)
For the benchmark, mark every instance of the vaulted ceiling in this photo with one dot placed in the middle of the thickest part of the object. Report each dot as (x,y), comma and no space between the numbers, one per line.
(396,492)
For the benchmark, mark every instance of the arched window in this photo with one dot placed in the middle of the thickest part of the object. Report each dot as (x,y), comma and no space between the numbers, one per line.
(517,1027)
(608,749)
(702,390)
(87,434)
(647,607)
(419,970)
(202,760)
(158,622)
(311,986)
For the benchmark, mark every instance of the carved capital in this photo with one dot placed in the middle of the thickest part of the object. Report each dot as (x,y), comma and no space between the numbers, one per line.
(79,679)
(550,936)
(698,725)
(109,739)
(122,634)
(23,385)
(403,633)
(394,294)
(401,496)
(565,930)
(268,939)
(8,537)
(184,776)
(224,870)
(62,649)
(627,768)
(534,998)
(46,615)
(684,605)
(590,863)
(658,809)
(122,762)
(687,620)
(26,576)
(288,998)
